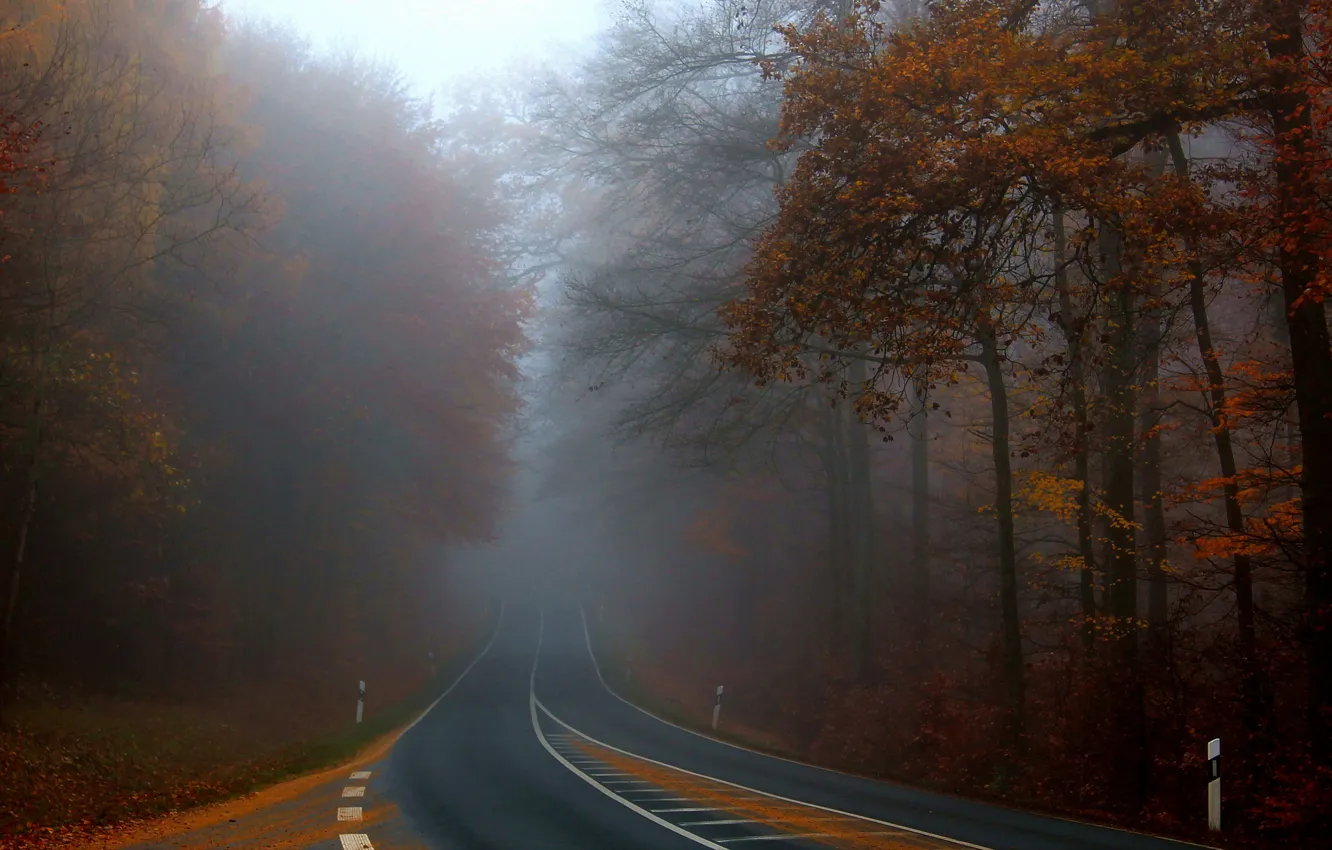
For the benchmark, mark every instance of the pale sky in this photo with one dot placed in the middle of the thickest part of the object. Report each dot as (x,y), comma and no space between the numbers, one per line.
(436,41)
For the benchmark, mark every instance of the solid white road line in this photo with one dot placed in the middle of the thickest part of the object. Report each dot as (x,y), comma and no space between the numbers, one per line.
(597,666)
(755,791)
(360,841)
(499,622)
(536,727)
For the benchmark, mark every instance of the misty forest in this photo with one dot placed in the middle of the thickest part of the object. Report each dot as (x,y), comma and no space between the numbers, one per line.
(950,380)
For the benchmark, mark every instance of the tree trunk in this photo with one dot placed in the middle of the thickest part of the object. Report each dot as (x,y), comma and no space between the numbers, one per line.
(1120,374)
(1153,502)
(919,430)
(1132,765)
(1255,702)
(29,507)
(861,498)
(861,501)
(1290,458)
(1311,360)
(1014,674)
(839,555)
(1074,339)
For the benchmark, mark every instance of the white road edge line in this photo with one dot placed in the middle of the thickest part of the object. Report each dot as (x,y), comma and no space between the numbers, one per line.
(499,622)
(954,841)
(597,666)
(361,841)
(536,727)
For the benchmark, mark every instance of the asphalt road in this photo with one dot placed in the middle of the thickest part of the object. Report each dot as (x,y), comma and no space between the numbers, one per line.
(531,751)
(473,772)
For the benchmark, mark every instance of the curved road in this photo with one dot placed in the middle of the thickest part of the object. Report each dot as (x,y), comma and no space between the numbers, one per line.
(531,751)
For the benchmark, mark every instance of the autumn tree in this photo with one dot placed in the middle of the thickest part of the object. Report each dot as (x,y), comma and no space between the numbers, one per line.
(262,415)
(374,356)
(661,146)
(914,235)
(138,179)
(1054,233)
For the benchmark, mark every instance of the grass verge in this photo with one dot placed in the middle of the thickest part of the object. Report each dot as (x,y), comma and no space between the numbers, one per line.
(632,689)
(73,770)
(609,658)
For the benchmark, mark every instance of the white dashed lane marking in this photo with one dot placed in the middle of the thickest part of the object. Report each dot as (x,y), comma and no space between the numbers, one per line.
(781,836)
(717,822)
(361,841)
(661,800)
(354,840)
(795,836)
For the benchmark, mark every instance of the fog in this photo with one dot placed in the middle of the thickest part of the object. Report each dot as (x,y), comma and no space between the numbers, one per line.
(437,43)
(947,390)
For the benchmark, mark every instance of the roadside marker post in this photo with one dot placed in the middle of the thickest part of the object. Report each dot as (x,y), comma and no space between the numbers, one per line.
(716,708)
(360,702)
(1214,785)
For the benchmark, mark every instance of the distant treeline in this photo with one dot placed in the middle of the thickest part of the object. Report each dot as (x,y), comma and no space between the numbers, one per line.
(258,357)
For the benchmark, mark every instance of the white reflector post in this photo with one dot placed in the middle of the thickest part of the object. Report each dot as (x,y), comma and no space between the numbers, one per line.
(716,708)
(360,702)
(1214,785)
